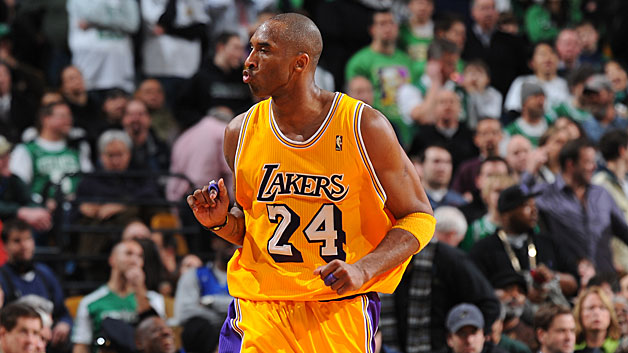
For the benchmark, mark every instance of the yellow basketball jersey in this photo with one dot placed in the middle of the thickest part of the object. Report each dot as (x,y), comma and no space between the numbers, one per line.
(305,204)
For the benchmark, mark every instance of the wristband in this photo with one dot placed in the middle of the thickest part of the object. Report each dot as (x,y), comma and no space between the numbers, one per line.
(419,224)
(219,227)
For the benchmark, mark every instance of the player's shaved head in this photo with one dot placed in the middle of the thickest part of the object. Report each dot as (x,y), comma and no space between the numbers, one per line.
(300,34)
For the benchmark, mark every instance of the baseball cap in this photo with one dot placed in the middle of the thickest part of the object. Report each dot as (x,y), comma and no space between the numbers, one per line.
(507,278)
(462,315)
(514,196)
(5,145)
(597,83)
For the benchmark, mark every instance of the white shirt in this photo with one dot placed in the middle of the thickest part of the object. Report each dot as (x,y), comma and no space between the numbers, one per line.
(556,92)
(167,55)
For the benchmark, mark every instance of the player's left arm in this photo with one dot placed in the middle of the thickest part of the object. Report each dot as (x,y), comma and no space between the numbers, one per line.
(406,200)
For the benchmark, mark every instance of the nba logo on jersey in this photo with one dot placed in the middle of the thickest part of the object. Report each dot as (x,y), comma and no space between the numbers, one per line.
(338,143)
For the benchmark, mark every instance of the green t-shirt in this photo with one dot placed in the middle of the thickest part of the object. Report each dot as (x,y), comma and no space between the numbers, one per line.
(517,127)
(51,166)
(479,229)
(387,73)
(540,26)
(413,45)
(609,345)
(567,109)
(103,303)
(512,345)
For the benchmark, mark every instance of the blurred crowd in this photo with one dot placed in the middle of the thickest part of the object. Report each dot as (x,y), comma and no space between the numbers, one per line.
(514,113)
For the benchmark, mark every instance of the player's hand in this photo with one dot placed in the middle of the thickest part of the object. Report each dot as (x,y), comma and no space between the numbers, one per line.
(209,208)
(344,277)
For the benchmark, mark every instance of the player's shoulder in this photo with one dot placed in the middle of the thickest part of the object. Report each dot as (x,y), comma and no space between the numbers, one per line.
(374,125)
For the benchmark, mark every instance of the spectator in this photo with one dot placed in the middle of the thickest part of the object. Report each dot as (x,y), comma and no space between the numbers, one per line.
(44,162)
(544,163)
(516,236)
(359,87)
(465,326)
(488,136)
(124,296)
(620,304)
(619,79)
(218,83)
(508,22)
(151,93)
(99,36)
(504,342)
(103,196)
(387,67)
(574,108)
(568,48)
(149,152)
(22,276)
(20,329)
(16,108)
(591,53)
(599,98)
(417,101)
(44,308)
(446,131)
(159,256)
(152,335)
(450,26)
(416,34)
(488,223)
(518,151)
(569,205)
(174,41)
(113,108)
(533,121)
(450,225)
(511,290)
(436,165)
(198,155)
(491,166)
(15,200)
(202,300)
(612,177)
(574,131)
(555,329)
(84,108)
(544,64)
(502,52)
(596,322)
(483,101)
(438,278)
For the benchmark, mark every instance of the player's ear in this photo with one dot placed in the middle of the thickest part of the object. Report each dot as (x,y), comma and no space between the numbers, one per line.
(302,61)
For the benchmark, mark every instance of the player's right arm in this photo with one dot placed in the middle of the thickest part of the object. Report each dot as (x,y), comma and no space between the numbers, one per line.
(212,210)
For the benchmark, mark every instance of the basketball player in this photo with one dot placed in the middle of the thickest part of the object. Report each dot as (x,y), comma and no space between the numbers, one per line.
(329,208)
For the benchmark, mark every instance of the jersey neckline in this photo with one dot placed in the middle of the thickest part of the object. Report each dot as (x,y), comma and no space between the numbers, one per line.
(317,135)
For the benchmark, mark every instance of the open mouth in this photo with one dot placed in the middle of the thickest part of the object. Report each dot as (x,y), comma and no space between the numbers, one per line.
(246,76)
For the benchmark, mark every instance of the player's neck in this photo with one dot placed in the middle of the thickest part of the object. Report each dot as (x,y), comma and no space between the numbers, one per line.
(300,114)
(301,106)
